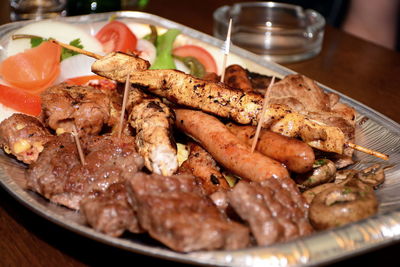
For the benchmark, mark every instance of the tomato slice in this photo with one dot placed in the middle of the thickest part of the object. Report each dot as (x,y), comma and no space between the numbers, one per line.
(202,55)
(116,36)
(20,100)
(33,70)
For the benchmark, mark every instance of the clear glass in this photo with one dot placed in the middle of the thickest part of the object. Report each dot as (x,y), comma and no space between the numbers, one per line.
(36,9)
(278,32)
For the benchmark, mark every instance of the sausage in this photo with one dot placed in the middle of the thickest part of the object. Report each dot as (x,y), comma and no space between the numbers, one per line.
(295,154)
(236,77)
(226,148)
(201,164)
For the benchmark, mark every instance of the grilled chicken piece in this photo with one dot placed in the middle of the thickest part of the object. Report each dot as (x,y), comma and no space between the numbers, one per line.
(202,165)
(64,105)
(119,64)
(227,102)
(24,137)
(152,121)
(242,107)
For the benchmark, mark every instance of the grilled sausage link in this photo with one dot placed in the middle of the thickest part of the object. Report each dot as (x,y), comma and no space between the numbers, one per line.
(226,148)
(295,154)
(201,164)
(236,77)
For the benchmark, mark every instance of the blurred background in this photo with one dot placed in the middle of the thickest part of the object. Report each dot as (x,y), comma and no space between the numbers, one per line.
(375,20)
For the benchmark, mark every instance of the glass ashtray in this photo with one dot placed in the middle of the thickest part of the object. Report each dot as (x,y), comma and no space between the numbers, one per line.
(278,32)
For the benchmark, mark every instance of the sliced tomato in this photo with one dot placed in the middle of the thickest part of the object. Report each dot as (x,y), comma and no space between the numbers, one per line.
(202,55)
(33,70)
(116,36)
(20,100)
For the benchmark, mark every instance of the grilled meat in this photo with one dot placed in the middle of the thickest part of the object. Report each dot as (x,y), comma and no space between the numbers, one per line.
(24,137)
(152,120)
(119,64)
(64,105)
(109,212)
(274,212)
(201,164)
(174,211)
(236,77)
(242,107)
(59,176)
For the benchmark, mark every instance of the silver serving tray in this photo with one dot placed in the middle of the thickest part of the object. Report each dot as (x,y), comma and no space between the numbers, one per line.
(374,130)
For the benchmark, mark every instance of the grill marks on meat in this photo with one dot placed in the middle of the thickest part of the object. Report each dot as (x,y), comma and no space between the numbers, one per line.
(152,121)
(187,90)
(23,136)
(87,107)
(236,77)
(242,107)
(274,212)
(59,176)
(110,213)
(119,65)
(174,211)
(202,165)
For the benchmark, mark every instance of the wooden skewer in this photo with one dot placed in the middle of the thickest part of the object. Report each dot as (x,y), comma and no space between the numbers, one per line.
(76,49)
(354,146)
(78,145)
(226,49)
(260,122)
(368,151)
(121,119)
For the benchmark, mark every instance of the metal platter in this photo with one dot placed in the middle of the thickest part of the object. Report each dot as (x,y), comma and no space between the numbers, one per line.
(373,130)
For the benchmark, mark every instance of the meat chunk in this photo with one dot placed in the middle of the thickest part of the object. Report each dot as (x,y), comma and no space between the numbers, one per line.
(59,176)
(236,77)
(274,212)
(110,213)
(202,165)
(87,107)
(152,121)
(24,137)
(174,211)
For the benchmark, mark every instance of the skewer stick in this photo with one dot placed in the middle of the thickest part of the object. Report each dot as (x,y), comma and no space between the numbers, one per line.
(121,119)
(78,145)
(226,49)
(368,151)
(262,116)
(76,49)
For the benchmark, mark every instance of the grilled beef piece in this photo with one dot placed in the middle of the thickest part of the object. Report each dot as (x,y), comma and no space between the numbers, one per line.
(23,136)
(202,165)
(110,213)
(63,105)
(274,212)
(174,211)
(59,176)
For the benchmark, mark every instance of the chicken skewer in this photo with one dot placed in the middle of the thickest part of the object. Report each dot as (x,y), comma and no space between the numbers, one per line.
(216,98)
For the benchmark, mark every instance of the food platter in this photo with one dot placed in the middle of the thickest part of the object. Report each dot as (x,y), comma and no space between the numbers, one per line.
(373,130)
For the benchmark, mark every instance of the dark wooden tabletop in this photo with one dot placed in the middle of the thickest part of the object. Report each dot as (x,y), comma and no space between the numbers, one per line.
(364,71)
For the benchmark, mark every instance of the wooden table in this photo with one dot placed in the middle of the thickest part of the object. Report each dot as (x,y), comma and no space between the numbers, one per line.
(361,70)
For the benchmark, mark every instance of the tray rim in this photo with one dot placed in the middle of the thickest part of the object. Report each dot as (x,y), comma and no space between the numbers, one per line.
(218,258)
